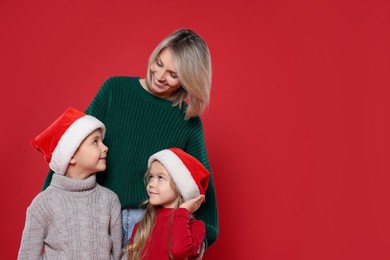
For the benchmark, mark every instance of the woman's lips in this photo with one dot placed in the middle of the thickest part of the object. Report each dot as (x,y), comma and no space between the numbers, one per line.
(158,84)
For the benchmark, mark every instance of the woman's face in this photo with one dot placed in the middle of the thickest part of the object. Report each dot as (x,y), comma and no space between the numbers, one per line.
(165,80)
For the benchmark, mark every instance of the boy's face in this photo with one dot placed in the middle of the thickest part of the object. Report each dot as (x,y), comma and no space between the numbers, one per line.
(90,157)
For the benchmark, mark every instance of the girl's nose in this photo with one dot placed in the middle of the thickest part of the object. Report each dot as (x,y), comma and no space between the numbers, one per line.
(105,149)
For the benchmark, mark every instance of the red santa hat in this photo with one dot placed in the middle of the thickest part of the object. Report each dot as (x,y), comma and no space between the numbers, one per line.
(62,138)
(189,175)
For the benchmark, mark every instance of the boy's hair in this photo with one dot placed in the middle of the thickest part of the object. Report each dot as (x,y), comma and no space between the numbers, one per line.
(62,138)
(191,57)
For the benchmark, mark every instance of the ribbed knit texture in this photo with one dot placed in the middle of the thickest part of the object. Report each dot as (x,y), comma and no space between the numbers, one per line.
(72,219)
(186,235)
(138,125)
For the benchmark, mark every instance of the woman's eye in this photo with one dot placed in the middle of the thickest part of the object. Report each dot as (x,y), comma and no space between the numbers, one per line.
(158,62)
(174,75)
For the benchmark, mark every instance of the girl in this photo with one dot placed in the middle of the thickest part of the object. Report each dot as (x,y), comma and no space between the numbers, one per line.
(176,183)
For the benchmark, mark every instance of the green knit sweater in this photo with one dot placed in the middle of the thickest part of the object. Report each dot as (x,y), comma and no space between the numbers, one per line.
(139,124)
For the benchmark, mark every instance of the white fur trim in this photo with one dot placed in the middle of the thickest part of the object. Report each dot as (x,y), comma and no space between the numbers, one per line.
(178,172)
(71,140)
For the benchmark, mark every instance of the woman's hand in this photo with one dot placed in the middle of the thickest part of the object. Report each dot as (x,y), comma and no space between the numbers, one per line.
(193,205)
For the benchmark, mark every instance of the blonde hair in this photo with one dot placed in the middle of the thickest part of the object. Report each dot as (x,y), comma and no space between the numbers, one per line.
(135,250)
(191,57)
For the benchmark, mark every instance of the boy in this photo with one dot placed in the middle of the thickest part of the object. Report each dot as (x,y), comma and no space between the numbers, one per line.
(74,218)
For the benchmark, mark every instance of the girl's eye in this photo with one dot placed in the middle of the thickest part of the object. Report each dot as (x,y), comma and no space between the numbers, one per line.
(160,178)
(150,178)
(174,75)
(159,63)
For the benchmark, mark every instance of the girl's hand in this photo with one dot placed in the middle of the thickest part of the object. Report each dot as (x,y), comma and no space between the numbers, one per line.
(201,252)
(193,205)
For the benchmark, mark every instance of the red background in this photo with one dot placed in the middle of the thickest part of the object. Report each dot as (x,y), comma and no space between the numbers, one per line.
(295,130)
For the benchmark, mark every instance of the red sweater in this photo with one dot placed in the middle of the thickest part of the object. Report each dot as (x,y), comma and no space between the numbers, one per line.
(187,235)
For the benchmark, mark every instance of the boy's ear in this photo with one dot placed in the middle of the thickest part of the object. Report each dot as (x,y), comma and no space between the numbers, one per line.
(72,161)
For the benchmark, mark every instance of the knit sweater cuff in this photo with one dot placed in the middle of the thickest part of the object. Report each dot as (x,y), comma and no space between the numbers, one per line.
(182,212)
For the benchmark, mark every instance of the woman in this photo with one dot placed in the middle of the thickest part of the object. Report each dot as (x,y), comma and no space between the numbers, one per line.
(143,116)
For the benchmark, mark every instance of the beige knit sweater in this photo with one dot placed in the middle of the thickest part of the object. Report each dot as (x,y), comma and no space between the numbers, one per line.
(73,219)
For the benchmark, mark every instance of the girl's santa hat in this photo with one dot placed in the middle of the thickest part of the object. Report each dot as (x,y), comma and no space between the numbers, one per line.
(189,175)
(62,138)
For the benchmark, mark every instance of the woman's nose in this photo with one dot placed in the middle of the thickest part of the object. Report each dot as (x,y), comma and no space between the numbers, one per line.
(160,76)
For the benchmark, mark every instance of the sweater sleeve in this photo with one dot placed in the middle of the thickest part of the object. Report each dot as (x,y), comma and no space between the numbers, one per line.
(100,104)
(33,236)
(47,180)
(116,229)
(187,235)
(208,212)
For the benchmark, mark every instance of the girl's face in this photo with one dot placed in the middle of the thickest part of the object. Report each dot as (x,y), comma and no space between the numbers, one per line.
(165,80)
(160,187)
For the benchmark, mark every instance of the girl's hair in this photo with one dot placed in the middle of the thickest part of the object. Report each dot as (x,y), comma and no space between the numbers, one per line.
(146,224)
(191,57)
